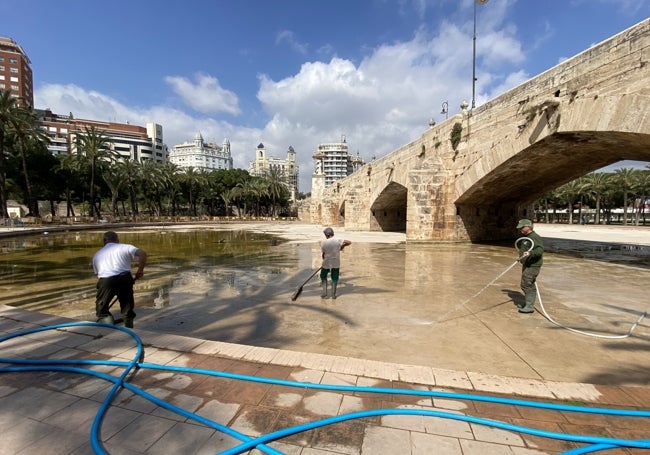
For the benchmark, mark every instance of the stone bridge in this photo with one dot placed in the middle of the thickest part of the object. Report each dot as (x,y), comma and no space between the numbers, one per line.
(472,176)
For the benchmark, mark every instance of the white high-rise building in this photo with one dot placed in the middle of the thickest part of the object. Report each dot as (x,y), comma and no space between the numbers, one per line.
(202,155)
(333,162)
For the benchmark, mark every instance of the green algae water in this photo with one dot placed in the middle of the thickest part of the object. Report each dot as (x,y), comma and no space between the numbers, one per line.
(53,272)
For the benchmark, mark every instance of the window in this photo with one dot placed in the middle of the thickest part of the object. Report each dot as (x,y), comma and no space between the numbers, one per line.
(13,70)
(13,60)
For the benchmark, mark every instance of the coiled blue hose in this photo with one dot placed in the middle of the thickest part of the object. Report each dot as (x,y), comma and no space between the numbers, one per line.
(247,443)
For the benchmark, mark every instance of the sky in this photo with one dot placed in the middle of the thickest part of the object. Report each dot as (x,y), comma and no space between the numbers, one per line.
(296,72)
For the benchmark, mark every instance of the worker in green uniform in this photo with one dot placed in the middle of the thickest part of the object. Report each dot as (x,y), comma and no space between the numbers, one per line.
(531,260)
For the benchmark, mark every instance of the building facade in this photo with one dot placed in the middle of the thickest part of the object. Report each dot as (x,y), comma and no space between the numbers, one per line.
(202,155)
(332,162)
(130,142)
(287,167)
(16,72)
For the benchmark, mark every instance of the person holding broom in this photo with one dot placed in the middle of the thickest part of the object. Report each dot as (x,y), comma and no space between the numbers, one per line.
(331,249)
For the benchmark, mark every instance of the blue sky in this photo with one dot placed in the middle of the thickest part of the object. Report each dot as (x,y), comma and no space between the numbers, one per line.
(295,72)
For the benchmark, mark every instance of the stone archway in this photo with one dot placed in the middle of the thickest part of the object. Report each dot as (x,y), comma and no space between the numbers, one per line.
(388,211)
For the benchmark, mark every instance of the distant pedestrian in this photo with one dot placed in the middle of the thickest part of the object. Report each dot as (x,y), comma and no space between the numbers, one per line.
(531,256)
(331,249)
(112,265)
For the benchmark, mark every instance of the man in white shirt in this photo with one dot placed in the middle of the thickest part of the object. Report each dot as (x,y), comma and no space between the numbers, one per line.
(112,265)
(331,248)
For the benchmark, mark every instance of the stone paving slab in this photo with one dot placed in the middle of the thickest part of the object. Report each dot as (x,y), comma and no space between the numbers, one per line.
(53,412)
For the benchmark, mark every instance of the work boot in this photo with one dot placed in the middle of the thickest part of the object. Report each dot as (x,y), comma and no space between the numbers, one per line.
(334,285)
(530,303)
(128,323)
(108,319)
(323,285)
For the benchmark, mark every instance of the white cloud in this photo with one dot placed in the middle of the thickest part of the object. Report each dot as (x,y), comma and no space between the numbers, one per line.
(287,36)
(206,95)
(379,104)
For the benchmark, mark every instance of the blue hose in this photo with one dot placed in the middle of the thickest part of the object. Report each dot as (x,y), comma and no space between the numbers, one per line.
(247,443)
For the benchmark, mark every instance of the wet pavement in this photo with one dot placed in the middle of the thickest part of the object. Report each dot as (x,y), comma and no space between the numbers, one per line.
(477,346)
(447,306)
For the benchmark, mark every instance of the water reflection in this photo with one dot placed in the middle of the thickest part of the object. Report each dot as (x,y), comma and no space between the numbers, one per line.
(53,272)
(420,304)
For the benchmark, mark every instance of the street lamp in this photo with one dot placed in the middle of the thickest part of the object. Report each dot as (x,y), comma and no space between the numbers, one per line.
(482,2)
(445,109)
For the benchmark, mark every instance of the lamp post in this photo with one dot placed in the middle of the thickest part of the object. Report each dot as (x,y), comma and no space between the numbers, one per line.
(482,2)
(445,109)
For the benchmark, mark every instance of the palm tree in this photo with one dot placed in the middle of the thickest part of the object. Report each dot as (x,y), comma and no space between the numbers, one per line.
(69,168)
(25,138)
(277,186)
(9,114)
(153,184)
(230,195)
(116,178)
(642,187)
(624,178)
(569,192)
(171,174)
(259,188)
(595,184)
(194,180)
(94,145)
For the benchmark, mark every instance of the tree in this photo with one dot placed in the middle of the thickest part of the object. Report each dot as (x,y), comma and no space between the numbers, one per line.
(94,146)
(69,169)
(116,179)
(624,178)
(9,115)
(26,138)
(194,180)
(258,188)
(277,186)
(596,184)
(569,192)
(642,187)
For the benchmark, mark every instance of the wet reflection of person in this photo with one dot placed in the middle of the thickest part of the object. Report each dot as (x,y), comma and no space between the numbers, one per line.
(331,249)
(531,260)
(112,265)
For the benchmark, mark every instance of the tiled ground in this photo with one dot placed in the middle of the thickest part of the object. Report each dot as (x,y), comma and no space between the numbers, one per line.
(54,412)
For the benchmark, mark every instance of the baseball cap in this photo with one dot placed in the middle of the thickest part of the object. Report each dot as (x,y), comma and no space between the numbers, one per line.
(524,222)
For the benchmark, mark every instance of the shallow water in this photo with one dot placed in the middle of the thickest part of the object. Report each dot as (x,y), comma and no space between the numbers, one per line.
(422,304)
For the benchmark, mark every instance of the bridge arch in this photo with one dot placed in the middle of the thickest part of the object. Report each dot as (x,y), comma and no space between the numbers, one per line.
(388,211)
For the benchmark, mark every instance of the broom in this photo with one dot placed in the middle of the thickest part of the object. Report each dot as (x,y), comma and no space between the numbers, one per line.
(299,290)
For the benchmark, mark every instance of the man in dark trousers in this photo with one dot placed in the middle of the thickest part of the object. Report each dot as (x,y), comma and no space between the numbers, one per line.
(112,265)
(531,260)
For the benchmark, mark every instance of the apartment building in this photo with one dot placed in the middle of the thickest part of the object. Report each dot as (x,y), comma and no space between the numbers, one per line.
(286,166)
(332,161)
(131,142)
(16,72)
(199,154)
